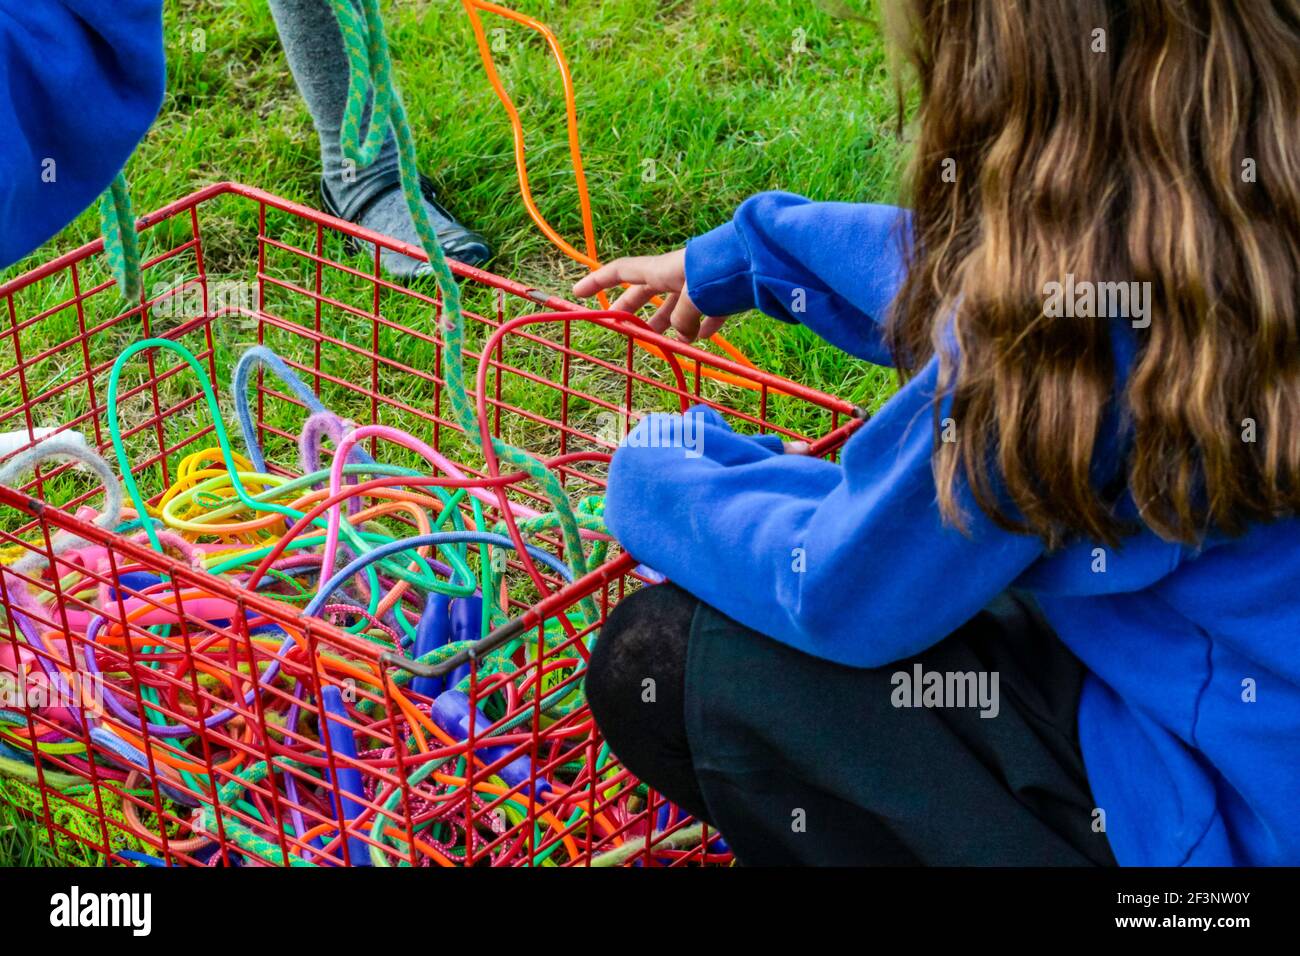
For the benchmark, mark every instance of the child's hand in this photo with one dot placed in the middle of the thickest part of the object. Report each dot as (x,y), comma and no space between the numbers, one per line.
(648,276)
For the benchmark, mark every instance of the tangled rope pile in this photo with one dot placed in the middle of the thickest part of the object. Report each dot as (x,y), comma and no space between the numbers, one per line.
(416,595)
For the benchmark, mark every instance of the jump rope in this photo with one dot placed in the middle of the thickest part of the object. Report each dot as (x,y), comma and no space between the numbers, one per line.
(417,595)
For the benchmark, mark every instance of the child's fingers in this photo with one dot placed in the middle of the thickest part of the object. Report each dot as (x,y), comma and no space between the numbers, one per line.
(663,315)
(632,299)
(686,318)
(678,311)
(663,273)
(630,269)
(710,326)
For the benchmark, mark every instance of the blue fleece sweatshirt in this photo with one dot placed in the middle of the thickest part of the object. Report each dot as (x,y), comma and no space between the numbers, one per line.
(1189,719)
(80,83)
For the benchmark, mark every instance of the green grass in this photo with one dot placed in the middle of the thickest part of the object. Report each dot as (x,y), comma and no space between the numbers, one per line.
(718,99)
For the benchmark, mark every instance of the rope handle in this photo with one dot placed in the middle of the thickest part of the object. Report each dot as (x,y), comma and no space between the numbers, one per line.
(121,243)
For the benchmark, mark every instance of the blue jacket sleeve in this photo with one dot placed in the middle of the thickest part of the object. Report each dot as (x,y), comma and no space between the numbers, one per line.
(80,83)
(831,266)
(849,562)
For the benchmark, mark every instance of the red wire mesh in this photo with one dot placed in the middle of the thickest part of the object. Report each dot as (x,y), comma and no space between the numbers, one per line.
(560,381)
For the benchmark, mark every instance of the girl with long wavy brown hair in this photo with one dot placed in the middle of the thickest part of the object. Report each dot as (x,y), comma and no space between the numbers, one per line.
(1046,606)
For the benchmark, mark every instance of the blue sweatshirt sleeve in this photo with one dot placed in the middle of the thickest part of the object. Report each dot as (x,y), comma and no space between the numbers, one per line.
(80,83)
(849,562)
(831,266)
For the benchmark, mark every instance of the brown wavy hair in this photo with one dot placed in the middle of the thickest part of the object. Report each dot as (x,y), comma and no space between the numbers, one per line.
(1171,158)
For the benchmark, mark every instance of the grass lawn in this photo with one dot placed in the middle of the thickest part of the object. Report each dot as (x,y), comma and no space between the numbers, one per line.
(686,108)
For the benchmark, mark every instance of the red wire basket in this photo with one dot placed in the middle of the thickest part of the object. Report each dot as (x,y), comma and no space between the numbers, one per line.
(175,753)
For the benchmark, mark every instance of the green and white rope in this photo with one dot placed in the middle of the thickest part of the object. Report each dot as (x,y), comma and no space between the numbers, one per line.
(121,244)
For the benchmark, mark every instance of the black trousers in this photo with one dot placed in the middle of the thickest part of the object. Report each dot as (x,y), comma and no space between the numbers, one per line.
(797,760)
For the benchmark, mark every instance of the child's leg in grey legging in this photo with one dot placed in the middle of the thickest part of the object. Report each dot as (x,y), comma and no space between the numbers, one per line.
(314,47)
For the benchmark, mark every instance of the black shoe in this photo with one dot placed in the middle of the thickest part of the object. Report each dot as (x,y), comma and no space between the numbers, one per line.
(458,242)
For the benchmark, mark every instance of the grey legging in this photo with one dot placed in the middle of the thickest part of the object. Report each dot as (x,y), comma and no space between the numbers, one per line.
(314,47)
